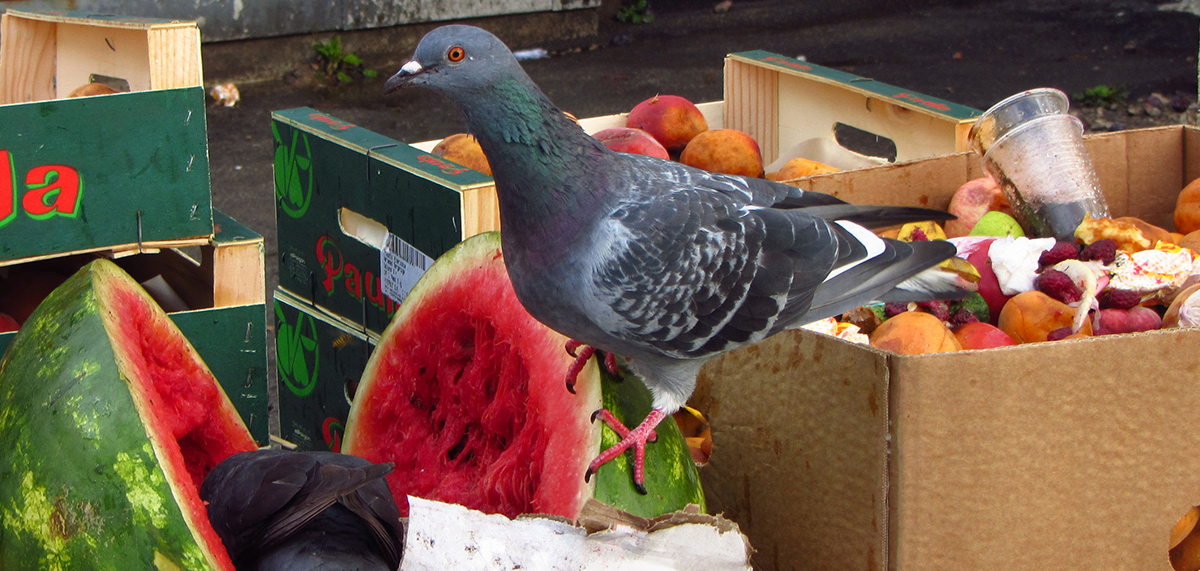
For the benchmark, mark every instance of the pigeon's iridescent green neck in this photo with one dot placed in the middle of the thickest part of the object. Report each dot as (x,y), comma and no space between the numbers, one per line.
(536,153)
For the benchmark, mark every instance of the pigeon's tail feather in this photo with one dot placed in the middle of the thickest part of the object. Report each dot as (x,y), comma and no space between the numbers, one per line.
(936,282)
(872,216)
(878,277)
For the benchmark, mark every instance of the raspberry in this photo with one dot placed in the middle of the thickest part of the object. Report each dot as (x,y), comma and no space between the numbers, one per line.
(1060,333)
(1058,286)
(918,235)
(961,317)
(1104,250)
(939,308)
(1113,298)
(894,308)
(1062,250)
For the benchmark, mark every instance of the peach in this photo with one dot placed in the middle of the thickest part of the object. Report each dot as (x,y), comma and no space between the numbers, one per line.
(1187,208)
(463,149)
(630,140)
(1030,316)
(971,201)
(914,333)
(1137,318)
(726,151)
(802,167)
(978,335)
(671,119)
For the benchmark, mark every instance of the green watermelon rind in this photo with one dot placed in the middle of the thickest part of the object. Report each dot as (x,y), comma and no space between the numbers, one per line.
(672,480)
(82,486)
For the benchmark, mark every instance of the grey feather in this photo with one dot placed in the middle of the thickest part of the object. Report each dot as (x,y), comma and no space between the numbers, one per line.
(304,510)
(651,259)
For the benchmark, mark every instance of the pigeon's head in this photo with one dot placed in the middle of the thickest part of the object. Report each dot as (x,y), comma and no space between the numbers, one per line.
(453,58)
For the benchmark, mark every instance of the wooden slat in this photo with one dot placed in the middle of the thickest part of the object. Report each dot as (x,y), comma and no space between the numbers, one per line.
(27,60)
(174,57)
(238,273)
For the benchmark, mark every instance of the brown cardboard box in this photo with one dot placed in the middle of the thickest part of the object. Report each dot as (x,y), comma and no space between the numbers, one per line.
(1065,455)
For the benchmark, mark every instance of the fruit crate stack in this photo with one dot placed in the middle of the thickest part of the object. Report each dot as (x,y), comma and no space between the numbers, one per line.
(124,176)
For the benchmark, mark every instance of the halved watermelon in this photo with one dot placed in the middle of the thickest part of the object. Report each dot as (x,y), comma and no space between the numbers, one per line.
(466,394)
(109,421)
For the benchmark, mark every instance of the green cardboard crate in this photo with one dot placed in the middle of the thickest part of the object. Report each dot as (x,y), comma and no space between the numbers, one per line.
(319,363)
(227,325)
(342,191)
(108,172)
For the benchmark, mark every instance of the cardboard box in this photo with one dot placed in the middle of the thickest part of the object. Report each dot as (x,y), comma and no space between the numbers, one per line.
(222,287)
(127,171)
(319,363)
(1063,455)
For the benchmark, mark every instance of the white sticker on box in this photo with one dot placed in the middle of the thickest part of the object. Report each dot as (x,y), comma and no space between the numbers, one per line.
(401,264)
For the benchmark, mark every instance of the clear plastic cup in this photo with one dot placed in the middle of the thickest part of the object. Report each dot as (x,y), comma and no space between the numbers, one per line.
(1034,150)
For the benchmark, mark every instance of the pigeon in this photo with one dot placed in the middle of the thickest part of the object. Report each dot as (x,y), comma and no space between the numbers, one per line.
(661,263)
(304,511)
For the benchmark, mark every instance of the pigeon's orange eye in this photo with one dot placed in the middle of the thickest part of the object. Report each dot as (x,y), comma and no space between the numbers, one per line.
(456,54)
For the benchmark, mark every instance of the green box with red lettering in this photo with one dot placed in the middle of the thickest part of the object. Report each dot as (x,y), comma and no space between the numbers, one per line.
(115,172)
(319,362)
(342,193)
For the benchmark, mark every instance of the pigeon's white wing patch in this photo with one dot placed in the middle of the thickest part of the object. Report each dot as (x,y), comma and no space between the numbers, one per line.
(867,238)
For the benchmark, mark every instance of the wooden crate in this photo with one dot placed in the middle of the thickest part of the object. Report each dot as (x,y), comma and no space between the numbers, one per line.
(45,55)
(221,285)
(95,173)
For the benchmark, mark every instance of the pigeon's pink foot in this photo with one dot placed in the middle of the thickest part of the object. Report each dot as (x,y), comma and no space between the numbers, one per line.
(636,438)
(582,353)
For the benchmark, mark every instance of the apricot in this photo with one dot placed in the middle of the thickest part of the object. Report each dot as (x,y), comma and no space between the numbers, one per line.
(914,333)
(979,335)
(630,140)
(802,167)
(1030,316)
(726,151)
(463,149)
(971,201)
(671,119)
(1187,208)
(90,89)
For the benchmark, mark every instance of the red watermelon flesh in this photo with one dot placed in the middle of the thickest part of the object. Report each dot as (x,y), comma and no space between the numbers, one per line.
(182,407)
(451,382)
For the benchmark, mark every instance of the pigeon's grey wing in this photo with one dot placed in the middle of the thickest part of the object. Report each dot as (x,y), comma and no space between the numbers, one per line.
(694,272)
(375,505)
(327,483)
(248,488)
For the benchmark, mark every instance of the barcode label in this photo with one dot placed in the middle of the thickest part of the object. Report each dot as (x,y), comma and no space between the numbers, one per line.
(401,265)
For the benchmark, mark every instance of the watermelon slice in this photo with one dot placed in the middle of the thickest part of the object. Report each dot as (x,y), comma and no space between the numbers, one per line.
(466,394)
(110,421)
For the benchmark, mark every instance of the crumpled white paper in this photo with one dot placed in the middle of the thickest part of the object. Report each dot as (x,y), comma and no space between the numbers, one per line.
(448,536)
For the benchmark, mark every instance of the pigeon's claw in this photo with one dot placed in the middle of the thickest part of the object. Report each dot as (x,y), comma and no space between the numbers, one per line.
(581,358)
(636,438)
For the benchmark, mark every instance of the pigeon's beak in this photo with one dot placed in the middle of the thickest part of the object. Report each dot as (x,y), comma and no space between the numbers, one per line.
(403,77)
